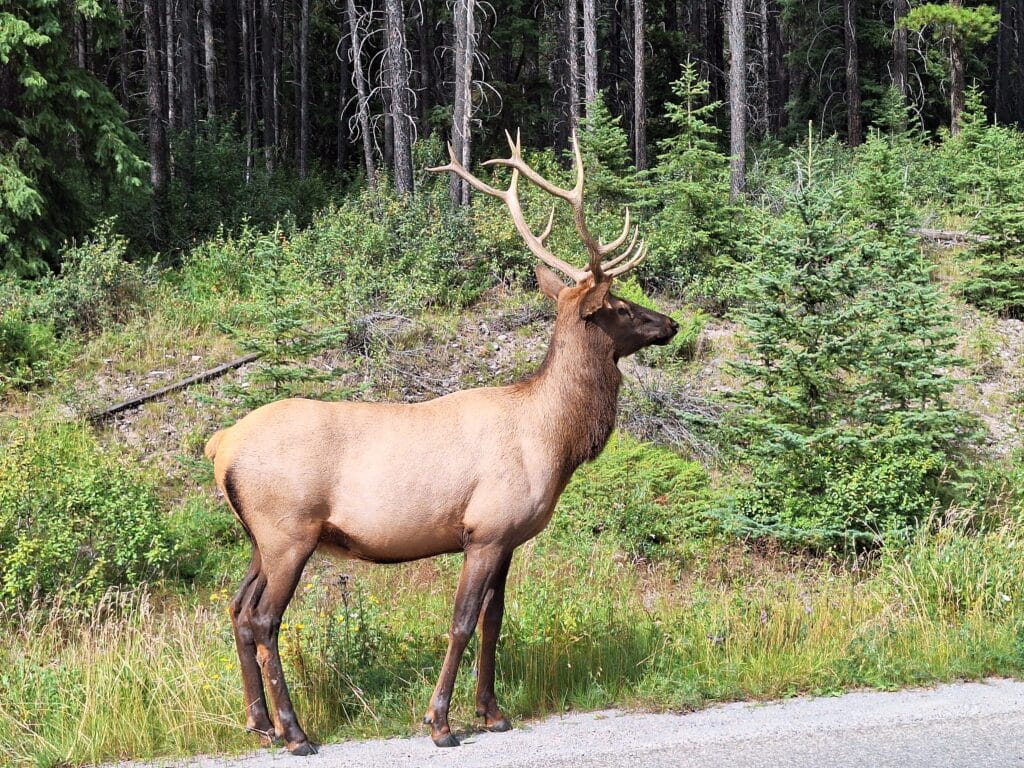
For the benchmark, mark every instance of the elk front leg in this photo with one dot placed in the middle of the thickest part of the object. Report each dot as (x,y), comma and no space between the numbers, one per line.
(478,571)
(490,629)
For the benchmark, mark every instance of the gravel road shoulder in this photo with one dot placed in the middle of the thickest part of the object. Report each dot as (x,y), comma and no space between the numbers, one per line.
(968,724)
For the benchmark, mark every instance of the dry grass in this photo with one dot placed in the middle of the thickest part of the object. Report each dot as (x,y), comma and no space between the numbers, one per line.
(585,628)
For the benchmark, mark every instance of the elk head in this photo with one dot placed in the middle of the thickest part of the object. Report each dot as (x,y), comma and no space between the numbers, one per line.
(628,326)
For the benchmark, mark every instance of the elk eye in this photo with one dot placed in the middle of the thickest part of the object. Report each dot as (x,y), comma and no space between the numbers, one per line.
(624,310)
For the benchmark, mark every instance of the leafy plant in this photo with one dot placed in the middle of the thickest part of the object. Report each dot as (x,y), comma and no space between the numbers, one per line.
(648,499)
(73,520)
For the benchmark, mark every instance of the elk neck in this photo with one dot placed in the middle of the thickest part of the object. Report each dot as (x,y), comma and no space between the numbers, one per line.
(574,394)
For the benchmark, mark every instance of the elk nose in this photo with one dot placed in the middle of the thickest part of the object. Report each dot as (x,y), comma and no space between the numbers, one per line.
(673,325)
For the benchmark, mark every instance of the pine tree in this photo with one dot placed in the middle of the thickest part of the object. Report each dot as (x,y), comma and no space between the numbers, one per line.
(695,233)
(64,139)
(995,266)
(846,384)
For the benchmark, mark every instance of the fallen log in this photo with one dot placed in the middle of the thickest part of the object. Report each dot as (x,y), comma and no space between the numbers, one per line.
(211,373)
(948,235)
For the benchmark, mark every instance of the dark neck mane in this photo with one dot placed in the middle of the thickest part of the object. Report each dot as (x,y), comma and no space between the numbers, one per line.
(576,391)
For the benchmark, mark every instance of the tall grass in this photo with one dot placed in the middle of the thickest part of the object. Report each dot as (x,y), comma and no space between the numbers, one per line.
(584,628)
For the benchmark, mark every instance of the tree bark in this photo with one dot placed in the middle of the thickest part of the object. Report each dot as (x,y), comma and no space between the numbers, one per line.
(462,103)
(123,57)
(170,70)
(853,104)
(344,80)
(158,152)
(187,68)
(639,87)
(737,97)
(765,91)
(590,55)
(957,85)
(304,88)
(1005,44)
(210,59)
(234,14)
(572,21)
(900,66)
(361,91)
(398,83)
(267,71)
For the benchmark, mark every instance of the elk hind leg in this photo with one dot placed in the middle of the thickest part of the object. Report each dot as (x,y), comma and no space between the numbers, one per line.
(281,579)
(257,719)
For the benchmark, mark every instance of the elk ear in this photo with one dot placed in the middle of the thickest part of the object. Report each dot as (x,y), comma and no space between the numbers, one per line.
(594,299)
(548,282)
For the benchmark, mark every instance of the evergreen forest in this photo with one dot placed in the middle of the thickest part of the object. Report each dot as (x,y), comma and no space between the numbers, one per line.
(210,205)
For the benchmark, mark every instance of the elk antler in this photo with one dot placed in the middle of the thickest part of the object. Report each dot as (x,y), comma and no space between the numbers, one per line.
(600,269)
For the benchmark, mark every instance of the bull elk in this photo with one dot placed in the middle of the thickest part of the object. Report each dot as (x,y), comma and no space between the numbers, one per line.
(477,471)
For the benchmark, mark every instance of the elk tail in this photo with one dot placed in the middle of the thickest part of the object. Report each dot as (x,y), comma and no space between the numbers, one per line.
(211,445)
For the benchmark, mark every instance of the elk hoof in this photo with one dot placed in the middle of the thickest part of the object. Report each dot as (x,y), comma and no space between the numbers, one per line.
(448,740)
(302,749)
(500,727)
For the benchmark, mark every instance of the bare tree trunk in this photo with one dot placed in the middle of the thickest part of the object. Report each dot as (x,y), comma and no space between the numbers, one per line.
(123,56)
(304,88)
(170,69)
(210,59)
(465,43)
(188,58)
(158,152)
(853,116)
(248,14)
(234,13)
(737,97)
(277,18)
(900,67)
(398,84)
(765,91)
(344,77)
(361,91)
(590,55)
(267,70)
(80,35)
(572,21)
(957,86)
(639,87)
(1005,43)
(778,82)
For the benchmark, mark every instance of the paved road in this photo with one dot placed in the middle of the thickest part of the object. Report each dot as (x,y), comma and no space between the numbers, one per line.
(975,725)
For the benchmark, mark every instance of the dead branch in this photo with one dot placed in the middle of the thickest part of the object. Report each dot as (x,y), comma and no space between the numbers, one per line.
(212,373)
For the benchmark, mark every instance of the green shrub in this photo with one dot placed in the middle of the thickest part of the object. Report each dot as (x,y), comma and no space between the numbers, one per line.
(850,489)
(96,284)
(647,498)
(26,351)
(208,540)
(73,520)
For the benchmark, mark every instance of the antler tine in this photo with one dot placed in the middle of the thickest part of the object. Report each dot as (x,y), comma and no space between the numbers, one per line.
(511,199)
(547,230)
(641,254)
(454,166)
(625,254)
(610,247)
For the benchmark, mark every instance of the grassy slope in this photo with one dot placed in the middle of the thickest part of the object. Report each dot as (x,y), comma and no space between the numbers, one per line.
(587,625)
